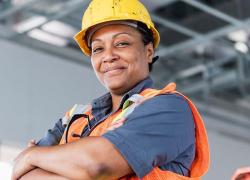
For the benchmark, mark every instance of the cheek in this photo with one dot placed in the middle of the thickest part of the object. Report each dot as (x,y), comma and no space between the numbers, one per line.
(95,64)
(141,61)
(96,68)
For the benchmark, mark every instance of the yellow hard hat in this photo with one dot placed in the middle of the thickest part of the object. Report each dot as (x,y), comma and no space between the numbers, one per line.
(101,11)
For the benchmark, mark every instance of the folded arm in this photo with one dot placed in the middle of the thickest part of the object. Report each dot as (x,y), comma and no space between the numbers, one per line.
(87,158)
(40,174)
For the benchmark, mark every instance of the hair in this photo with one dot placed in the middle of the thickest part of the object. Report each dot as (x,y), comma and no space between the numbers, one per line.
(147,37)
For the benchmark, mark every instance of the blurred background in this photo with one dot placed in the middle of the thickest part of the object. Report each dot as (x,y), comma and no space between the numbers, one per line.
(204,49)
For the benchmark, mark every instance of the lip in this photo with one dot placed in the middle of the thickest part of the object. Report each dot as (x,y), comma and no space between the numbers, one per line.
(114,68)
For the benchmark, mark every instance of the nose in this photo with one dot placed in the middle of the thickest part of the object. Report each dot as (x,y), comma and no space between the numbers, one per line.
(109,55)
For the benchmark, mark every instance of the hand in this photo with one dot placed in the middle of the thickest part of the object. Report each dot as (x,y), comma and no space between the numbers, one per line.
(242,171)
(22,164)
(32,143)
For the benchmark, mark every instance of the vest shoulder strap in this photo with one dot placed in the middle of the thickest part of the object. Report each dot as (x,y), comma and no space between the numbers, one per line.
(148,93)
(202,160)
(77,109)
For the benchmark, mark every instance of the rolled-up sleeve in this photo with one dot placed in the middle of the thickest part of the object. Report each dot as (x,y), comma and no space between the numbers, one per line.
(52,136)
(156,133)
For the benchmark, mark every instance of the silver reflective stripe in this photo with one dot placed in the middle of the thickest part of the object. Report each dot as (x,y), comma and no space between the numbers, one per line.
(65,120)
(131,103)
(79,109)
(135,98)
(76,109)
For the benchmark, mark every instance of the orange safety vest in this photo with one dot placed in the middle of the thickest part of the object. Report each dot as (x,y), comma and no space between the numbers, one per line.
(201,162)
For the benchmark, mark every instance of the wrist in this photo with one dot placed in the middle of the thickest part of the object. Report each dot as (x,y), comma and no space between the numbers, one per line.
(31,156)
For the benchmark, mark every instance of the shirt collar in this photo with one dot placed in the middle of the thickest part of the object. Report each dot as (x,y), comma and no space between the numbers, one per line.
(104,103)
(144,84)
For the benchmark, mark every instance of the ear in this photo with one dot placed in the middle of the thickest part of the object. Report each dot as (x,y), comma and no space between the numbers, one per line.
(150,52)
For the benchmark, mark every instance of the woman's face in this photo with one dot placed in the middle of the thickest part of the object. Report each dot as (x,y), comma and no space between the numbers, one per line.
(119,57)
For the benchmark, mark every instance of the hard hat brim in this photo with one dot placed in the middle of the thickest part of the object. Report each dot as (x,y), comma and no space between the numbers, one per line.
(82,42)
(79,38)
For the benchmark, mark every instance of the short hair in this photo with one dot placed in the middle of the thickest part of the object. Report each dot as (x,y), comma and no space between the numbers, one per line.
(147,37)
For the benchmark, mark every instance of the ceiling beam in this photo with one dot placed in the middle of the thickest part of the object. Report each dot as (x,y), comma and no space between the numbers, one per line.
(68,8)
(17,8)
(224,121)
(237,114)
(66,53)
(213,12)
(174,26)
(165,51)
(157,4)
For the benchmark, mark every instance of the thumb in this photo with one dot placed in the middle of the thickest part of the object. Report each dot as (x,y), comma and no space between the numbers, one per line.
(32,143)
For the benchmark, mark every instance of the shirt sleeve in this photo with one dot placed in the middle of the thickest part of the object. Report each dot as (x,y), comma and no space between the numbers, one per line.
(157,133)
(53,136)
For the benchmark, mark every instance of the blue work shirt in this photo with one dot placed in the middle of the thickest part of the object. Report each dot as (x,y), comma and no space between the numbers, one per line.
(160,132)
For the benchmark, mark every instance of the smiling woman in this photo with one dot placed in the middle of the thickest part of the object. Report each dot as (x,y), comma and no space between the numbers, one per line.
(132,132)
(120,58)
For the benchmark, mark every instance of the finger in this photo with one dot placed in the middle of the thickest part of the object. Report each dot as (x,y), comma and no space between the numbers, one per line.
(244,170)
(32,143)
(240,171)
(13,176)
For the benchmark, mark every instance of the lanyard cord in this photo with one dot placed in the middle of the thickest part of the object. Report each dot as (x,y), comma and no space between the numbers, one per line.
(74,118)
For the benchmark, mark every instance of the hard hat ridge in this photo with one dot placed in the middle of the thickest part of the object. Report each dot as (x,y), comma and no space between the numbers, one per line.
(103,11)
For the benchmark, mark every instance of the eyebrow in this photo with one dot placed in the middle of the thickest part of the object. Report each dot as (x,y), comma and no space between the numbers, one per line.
(121,34)
(118,34)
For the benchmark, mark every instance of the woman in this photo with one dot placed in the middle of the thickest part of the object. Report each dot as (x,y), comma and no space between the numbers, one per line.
(133,131)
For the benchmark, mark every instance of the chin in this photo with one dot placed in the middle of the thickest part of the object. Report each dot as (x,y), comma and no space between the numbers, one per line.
(116,87)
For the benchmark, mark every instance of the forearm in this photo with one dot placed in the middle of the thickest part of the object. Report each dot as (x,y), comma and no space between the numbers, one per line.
(88,158)
(73,160)
(40,174)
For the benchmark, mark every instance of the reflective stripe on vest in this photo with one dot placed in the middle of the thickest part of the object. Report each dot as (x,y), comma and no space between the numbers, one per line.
(201,162)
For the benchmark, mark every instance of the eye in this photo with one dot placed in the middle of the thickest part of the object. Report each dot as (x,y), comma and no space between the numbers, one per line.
(122,44)
(96,50)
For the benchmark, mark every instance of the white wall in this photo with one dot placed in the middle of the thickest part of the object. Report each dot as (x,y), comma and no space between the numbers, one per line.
(36,89)
(227,155)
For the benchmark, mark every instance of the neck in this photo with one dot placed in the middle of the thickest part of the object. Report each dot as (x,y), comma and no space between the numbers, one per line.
(116,99)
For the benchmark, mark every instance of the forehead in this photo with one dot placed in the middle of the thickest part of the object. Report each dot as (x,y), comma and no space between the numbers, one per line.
(115,30)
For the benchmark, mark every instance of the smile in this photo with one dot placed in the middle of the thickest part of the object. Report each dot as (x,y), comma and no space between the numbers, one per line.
(114,69)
